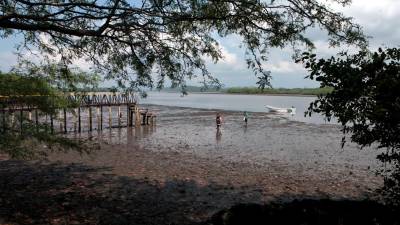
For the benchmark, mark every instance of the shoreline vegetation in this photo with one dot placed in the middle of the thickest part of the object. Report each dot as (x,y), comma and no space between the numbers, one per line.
(255,91)
(278,91)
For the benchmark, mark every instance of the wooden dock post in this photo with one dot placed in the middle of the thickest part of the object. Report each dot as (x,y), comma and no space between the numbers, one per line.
(51,124)
(79,119)
(109,117)
(133,108)
(37,120)
(131,113)
(152,119)
(21,120)
(101,117)
(12,119)
(137,116)
(59,118)
(65,120)
(45,121)
(98,117)
(119,116)
(128,116)
(144,114)
(75,120)
(90,119)
(4,121)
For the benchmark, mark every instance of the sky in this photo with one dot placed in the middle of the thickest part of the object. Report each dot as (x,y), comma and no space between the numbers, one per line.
(379,20)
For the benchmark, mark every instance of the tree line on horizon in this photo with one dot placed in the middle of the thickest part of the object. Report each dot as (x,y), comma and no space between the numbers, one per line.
(253,90)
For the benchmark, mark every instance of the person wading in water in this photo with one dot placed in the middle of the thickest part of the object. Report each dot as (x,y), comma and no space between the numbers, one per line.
(245,117)
(218,120)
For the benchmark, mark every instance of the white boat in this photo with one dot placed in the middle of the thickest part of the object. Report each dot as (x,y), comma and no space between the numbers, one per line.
(291,110)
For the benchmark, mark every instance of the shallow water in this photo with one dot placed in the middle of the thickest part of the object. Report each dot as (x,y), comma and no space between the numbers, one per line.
(268,139)
(251,103)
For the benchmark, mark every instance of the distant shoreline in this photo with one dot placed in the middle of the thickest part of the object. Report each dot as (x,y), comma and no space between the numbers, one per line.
(279,91)
(269,94)
(262,94)
(308,92)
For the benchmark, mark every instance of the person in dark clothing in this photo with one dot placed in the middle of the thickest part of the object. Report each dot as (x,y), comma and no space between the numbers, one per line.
(246,116)
(218,120)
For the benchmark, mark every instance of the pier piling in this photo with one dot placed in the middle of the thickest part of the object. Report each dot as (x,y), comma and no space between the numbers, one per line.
(65,120)
(101,117)
(79,119)
(90,119)
(119,116)
(109,117)
(51,124)
(16,114)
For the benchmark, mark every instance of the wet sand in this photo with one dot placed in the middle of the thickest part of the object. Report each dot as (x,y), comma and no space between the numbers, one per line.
(180,171)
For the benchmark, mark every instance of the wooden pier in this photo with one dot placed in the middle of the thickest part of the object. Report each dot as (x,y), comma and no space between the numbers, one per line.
(88,113)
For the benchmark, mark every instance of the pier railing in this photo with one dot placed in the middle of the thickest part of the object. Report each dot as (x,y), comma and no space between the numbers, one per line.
(82,112)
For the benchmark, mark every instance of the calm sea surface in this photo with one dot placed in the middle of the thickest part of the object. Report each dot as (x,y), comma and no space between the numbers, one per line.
(251,103)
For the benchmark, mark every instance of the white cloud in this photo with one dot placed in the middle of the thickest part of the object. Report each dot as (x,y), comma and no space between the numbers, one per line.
(378,18)
(7,60)
(284,67)
(228,58)
(82,64)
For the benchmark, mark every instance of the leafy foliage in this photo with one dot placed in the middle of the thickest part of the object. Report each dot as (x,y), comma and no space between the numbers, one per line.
(21,136)
(61,77)
(365,97)
(264,81)
(130,41)
(30,91)
(366,101)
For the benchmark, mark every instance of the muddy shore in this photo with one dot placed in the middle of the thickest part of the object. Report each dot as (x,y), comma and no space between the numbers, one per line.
(181,171)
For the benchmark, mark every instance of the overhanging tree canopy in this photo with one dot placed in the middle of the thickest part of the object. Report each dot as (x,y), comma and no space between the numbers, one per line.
(130,40)
(21,137)
(366,101)
(365,97)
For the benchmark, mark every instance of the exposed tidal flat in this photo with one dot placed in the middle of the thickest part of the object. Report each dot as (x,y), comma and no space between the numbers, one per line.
(181,171)
(237,102)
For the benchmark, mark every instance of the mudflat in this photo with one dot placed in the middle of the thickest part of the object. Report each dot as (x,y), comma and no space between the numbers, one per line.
(182,171)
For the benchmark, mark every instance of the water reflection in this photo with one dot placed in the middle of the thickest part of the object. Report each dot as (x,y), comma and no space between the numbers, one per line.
(126,135)
(264,138)
(218,135)
(245,128)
